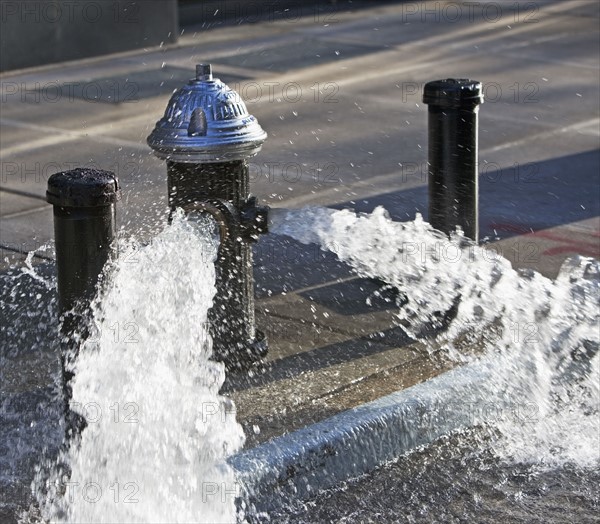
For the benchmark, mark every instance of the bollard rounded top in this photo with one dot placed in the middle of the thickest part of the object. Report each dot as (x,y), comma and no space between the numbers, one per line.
(83,187)
(460,93)
(206,121)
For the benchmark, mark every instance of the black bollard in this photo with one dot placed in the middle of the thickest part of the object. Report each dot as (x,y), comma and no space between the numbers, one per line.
(453,150)
(84,203)
(206,137)
(84,231)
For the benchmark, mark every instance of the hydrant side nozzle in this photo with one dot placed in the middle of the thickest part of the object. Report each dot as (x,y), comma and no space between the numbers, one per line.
(224,214)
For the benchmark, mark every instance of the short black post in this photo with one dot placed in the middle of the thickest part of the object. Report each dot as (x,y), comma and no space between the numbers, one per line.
(453,154)
(84,230)
(84,203)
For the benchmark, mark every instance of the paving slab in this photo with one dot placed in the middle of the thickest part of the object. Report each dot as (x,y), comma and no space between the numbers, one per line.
(28,232)
(13,204)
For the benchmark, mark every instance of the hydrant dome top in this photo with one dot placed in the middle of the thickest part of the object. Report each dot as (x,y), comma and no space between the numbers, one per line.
(206,121)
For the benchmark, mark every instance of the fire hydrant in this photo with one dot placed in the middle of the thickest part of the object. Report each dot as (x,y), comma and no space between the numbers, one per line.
(206,137)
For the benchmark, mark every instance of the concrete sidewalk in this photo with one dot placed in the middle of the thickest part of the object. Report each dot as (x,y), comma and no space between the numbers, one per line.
(340,100)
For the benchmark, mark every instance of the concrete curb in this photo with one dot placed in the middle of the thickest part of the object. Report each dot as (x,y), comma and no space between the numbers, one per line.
(354,442)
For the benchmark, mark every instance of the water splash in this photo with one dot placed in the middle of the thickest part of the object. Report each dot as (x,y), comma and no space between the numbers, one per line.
(157,431)
(30,421)
(539,337)
(30,270)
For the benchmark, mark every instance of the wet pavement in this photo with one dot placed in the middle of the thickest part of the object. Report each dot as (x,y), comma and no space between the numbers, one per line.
(449,483)
(340,96)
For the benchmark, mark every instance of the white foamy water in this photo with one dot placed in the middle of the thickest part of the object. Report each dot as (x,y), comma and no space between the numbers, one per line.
(158,432)
(538,337)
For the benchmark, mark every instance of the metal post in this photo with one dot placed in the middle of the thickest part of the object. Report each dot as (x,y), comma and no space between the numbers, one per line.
(453,148)
(84,203)
(206,137)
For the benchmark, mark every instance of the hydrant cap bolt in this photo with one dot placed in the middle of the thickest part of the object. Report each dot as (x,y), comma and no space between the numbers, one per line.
(203,72)
(206,121)
(459,93)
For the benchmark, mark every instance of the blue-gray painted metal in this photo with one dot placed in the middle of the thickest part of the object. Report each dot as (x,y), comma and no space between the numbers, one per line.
(206,121)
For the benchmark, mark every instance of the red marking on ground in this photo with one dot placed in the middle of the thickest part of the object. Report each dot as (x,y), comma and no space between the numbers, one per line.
(569,249)
(513,228)
(568,244)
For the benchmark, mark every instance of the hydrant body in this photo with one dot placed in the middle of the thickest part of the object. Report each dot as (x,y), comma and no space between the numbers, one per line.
(206,137)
